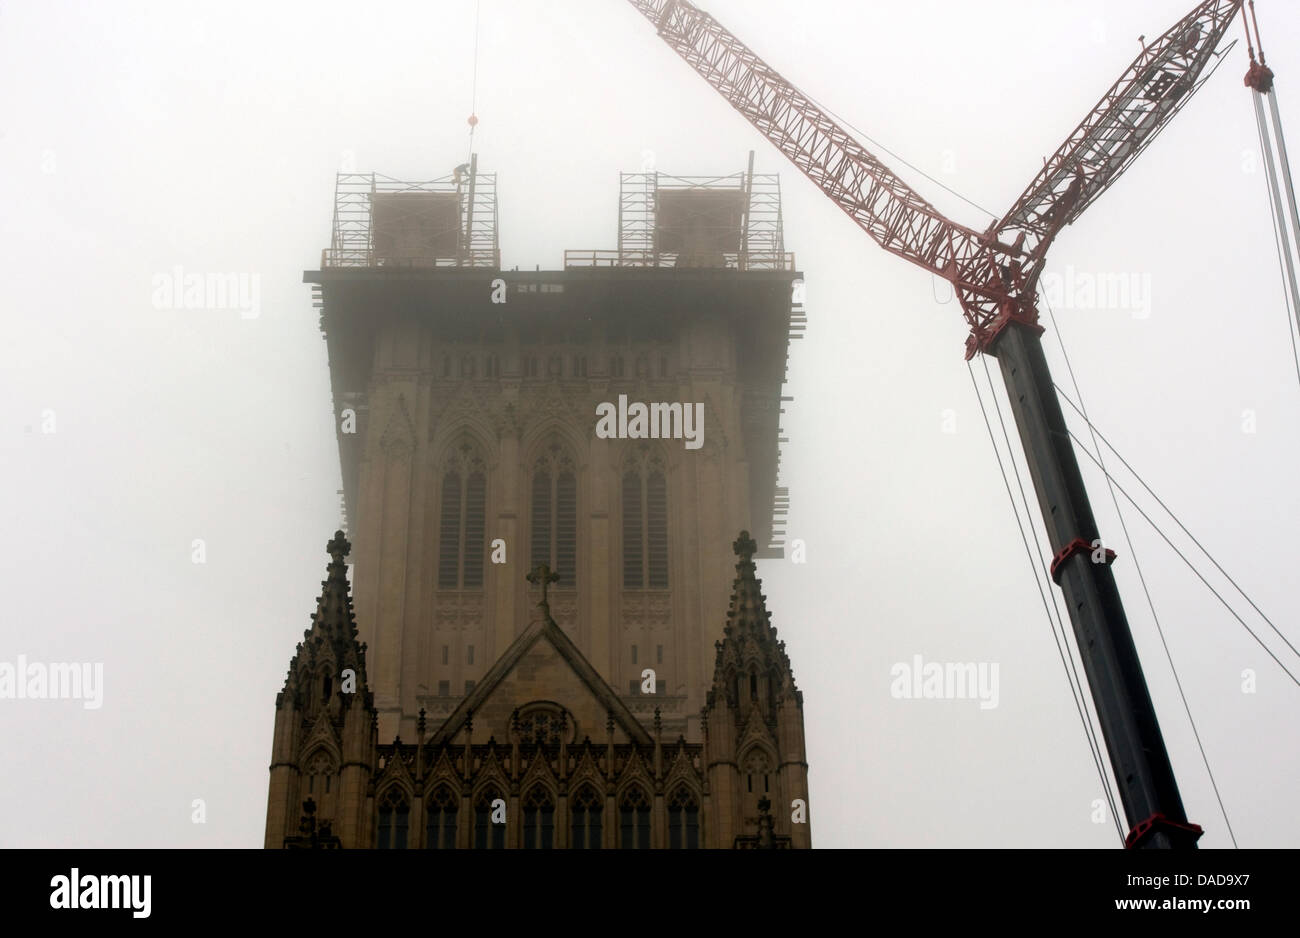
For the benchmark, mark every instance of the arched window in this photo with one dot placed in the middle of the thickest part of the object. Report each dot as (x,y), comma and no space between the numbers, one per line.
(394,817)
(487,835)
(616,366)
(645,521)
(440,819)
(555,514)
(584,811)
(320,775)
(634,820)
(462,528)
(683,820)
(757,774)
(539,820)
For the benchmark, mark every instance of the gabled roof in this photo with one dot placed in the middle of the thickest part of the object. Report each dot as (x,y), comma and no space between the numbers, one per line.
(544,631)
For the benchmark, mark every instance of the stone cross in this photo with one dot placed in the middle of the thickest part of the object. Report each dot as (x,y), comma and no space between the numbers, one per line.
(543,576)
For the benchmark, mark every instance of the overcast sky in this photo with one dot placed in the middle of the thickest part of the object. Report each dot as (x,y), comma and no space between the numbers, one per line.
(135,137)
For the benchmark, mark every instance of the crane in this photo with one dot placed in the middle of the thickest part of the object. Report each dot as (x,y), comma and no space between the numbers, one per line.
(994,274)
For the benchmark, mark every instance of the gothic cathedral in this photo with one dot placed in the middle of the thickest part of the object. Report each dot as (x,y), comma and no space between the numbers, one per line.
(525,639)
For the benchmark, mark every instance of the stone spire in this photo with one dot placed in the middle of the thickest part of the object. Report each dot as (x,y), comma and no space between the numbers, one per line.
(750,645)
(333,631)
(753,722)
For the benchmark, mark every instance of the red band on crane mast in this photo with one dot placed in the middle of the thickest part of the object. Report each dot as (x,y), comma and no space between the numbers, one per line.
(1158,822)
(1078,545)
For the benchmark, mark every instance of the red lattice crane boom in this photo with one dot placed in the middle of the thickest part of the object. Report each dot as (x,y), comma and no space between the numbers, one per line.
(995,274)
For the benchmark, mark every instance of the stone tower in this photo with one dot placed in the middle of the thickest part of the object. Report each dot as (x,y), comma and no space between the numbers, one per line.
(610,426)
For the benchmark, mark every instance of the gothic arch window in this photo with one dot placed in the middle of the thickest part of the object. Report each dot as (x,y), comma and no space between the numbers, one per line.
(585,809)
(634,820)
(683,820)
(462,526)
(539,819)
(440,819)
(487,835)
(645,521)
(394,818)
(758,773)
(554,528)
(320,774)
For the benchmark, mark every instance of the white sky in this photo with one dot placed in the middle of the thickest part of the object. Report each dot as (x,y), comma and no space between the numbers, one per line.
(139,136)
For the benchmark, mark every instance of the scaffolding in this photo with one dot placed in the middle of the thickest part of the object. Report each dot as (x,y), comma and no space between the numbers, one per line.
(385,222)
(695,221)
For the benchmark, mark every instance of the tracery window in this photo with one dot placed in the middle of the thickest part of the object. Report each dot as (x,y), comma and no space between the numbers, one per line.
(394,819)
(585,809)
(487,835)
(440,819)
(634,820)
(757,773)
(320,774)
(539,820)
(683,820)
(463,523)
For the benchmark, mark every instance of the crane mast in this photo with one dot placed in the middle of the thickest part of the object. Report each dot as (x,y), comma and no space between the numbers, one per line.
(995,274)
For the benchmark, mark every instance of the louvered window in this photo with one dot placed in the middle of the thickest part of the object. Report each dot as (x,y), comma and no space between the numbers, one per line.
(554,517)
(645,526)
(462,528)
(633,533)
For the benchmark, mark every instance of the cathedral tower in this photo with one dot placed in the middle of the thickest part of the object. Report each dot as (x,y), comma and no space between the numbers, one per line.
(607,428)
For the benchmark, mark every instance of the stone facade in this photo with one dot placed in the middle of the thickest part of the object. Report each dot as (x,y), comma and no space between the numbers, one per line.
(631,699)
(543,754)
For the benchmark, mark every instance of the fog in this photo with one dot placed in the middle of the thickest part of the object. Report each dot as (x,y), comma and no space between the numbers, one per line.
(139,435)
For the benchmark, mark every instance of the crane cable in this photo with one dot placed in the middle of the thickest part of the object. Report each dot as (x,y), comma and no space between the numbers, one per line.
(1260,80)
(1128,542)
(1180,554)
(1042,567)
(1279,234)
(473,93)
(1071,675)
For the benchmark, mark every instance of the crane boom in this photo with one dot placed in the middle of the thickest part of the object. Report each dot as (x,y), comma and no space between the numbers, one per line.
(995,275)
(994,272)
